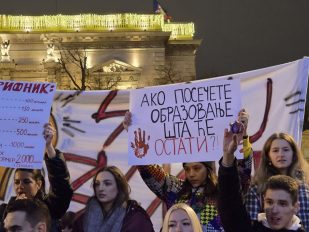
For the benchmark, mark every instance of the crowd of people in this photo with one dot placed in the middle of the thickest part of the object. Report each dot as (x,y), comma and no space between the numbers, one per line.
(275,199)
(30,184)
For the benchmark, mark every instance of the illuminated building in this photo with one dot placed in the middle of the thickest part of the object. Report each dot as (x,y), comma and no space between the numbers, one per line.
(134,50)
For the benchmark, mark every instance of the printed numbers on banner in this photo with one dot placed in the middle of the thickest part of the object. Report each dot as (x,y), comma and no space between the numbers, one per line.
(21,131)
(23,120)
(25,158)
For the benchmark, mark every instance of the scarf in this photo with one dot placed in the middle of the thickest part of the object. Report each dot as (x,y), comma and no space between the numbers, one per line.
(95,221)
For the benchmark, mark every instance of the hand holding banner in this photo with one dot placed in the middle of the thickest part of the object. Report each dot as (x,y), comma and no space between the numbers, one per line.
(25,108)
(181,123)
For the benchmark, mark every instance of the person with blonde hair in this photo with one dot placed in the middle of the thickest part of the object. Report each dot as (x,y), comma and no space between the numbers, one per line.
(181,217)
(280,155)
(199,188)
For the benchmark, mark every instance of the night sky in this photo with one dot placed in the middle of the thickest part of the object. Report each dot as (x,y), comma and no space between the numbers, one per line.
(238,35)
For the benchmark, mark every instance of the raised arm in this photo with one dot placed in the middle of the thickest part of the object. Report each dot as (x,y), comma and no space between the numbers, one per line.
(48,134)
(60,193)
(231,209)
(245,164)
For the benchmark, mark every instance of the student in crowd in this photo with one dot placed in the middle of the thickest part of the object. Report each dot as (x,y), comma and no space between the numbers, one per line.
(280,198)
(181,217)
(27,215)
(110,209)
(199,189)
(280,155)
(30,183)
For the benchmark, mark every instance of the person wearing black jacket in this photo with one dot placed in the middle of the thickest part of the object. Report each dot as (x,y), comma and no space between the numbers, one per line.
(30,184)
(280,198)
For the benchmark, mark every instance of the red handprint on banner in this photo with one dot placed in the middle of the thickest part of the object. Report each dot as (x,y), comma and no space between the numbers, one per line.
(140,146)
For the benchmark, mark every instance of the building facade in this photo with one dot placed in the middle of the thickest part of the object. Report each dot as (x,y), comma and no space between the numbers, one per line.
(117,51)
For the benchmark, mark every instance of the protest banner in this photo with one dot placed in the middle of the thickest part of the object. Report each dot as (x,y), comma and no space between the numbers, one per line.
(181,123)
(91,135)
(25,108)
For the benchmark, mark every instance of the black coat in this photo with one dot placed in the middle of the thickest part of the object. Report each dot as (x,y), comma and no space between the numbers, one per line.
(60,192)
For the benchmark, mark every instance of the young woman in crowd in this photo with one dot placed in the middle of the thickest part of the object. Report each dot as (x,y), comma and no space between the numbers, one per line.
(181,217)
(30,183)
(199,189)
(280,155)
(110,209)
(280,195)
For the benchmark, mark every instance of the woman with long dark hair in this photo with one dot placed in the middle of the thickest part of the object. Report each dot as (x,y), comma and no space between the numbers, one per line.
(111,209)
(30,183)
(199,188)
(280,155)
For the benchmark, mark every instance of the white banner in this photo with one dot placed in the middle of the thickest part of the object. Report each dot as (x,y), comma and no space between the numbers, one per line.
(181,123)
(25,108)
(90,130)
